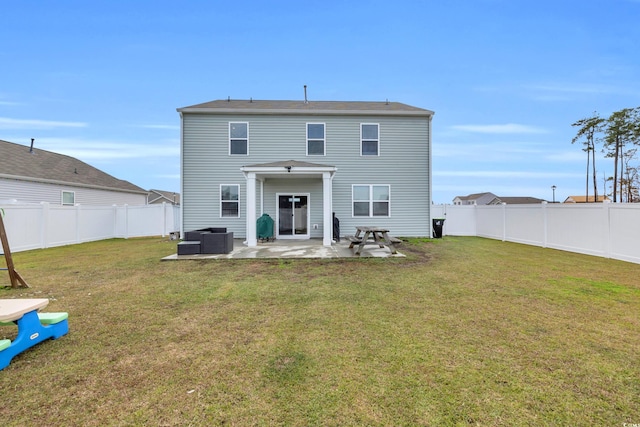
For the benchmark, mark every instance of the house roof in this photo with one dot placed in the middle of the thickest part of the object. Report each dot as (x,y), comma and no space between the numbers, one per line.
(159,196)
(292,163)
(251,106)
(20,163)
(583,199)
(520,200)
(475,196)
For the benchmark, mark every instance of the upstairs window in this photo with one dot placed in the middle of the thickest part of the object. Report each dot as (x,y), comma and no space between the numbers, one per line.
(238,138)
(370,200)
(315,139)
(229,201)
(370,141)
(68,198)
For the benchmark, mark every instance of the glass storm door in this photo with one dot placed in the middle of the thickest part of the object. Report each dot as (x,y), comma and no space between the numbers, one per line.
(293,218)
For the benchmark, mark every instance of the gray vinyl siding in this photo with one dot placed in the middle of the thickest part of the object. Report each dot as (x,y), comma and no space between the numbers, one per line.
(36,192)
(403,163)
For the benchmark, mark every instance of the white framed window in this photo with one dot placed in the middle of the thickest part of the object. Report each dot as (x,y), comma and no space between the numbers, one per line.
(68,198)
(371,200)
(315,139)
(229,201)
(238,138)
(369,139)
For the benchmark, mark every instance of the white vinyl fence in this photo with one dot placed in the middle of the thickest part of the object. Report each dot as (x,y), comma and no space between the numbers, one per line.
(610,230)
(39,226)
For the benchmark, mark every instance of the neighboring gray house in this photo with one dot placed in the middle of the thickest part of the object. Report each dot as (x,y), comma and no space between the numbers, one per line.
(476,199)
(492,199)
(31,175)
(300,162)
(156,197)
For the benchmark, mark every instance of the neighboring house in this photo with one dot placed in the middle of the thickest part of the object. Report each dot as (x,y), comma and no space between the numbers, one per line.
(158,197)
(31,175)
(492,199)
(476,199)
(300,162)
(520,200)
(583,199)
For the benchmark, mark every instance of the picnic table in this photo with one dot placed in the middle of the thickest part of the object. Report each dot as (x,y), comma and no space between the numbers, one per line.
(33,327)
(368,235)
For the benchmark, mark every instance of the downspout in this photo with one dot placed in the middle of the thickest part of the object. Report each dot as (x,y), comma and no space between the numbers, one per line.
(430,178)
(181,207)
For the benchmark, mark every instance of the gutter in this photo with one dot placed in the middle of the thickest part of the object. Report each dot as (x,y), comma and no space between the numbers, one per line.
(69,184)
(292,112)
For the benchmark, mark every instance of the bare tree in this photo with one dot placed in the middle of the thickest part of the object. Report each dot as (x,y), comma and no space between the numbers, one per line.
(588,128)
(622,127)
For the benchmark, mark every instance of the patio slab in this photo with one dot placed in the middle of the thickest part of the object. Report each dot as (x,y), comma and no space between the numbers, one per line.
(309,248)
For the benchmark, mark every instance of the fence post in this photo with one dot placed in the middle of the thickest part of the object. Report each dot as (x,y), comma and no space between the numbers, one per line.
(164,219)
(504,221)
(44,225)
(606,204)
(78,219)
(545,226)
(126,221)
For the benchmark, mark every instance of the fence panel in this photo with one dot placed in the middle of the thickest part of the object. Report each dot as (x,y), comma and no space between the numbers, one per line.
(38,226)
(624,232)
(490,221)
(525,224)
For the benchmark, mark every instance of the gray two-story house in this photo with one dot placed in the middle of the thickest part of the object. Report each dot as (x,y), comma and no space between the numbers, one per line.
(300,162)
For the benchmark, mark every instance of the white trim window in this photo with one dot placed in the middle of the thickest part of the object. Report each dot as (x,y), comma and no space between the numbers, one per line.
(315,139)
(238,138)
(371,200)
(68,198)
(229,201)
(369,139)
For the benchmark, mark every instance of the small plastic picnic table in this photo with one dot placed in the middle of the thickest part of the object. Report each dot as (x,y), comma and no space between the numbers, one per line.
(32,328)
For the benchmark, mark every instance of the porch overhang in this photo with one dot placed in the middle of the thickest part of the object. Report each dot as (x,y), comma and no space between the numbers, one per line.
(289,169)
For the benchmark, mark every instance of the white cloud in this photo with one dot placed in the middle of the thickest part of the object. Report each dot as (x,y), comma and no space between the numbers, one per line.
(8,123)
(509,128)
(504,174)
(88,150)
(161,127)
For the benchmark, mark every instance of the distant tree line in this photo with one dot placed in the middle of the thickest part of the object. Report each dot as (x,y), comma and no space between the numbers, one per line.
(619,138)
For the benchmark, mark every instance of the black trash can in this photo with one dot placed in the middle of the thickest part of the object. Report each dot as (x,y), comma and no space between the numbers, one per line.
(438,223)
(336,228)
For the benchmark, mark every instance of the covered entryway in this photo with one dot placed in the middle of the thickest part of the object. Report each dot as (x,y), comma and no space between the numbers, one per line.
(292,208)
(292,216)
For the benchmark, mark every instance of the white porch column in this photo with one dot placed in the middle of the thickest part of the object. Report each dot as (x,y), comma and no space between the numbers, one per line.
(327,197)
(252,239)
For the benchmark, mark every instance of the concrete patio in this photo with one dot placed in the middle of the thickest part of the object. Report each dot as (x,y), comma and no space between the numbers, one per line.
(308,248)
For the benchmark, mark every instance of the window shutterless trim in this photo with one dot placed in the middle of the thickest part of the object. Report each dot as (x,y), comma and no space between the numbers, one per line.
(73,194)
(323,139)
(222,201)
(245,139)
(363,140)
(370,201)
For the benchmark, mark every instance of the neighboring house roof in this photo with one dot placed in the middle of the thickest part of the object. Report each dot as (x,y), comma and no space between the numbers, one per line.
(21,163)
(159,196)
(520,200)
(477,198)
(583,199)
(301,107)
(492,199)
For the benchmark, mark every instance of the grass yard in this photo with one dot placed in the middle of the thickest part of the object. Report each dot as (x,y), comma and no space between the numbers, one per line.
(464,331)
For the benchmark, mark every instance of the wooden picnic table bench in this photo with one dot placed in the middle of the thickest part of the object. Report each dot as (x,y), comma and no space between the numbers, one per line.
(367,235)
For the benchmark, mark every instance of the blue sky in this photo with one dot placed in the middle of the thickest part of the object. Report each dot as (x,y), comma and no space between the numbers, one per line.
(101,80)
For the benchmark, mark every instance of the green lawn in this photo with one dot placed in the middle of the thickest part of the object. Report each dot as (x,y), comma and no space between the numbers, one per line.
(463,331)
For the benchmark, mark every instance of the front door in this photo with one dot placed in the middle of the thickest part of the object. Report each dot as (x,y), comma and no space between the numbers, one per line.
(293,216)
